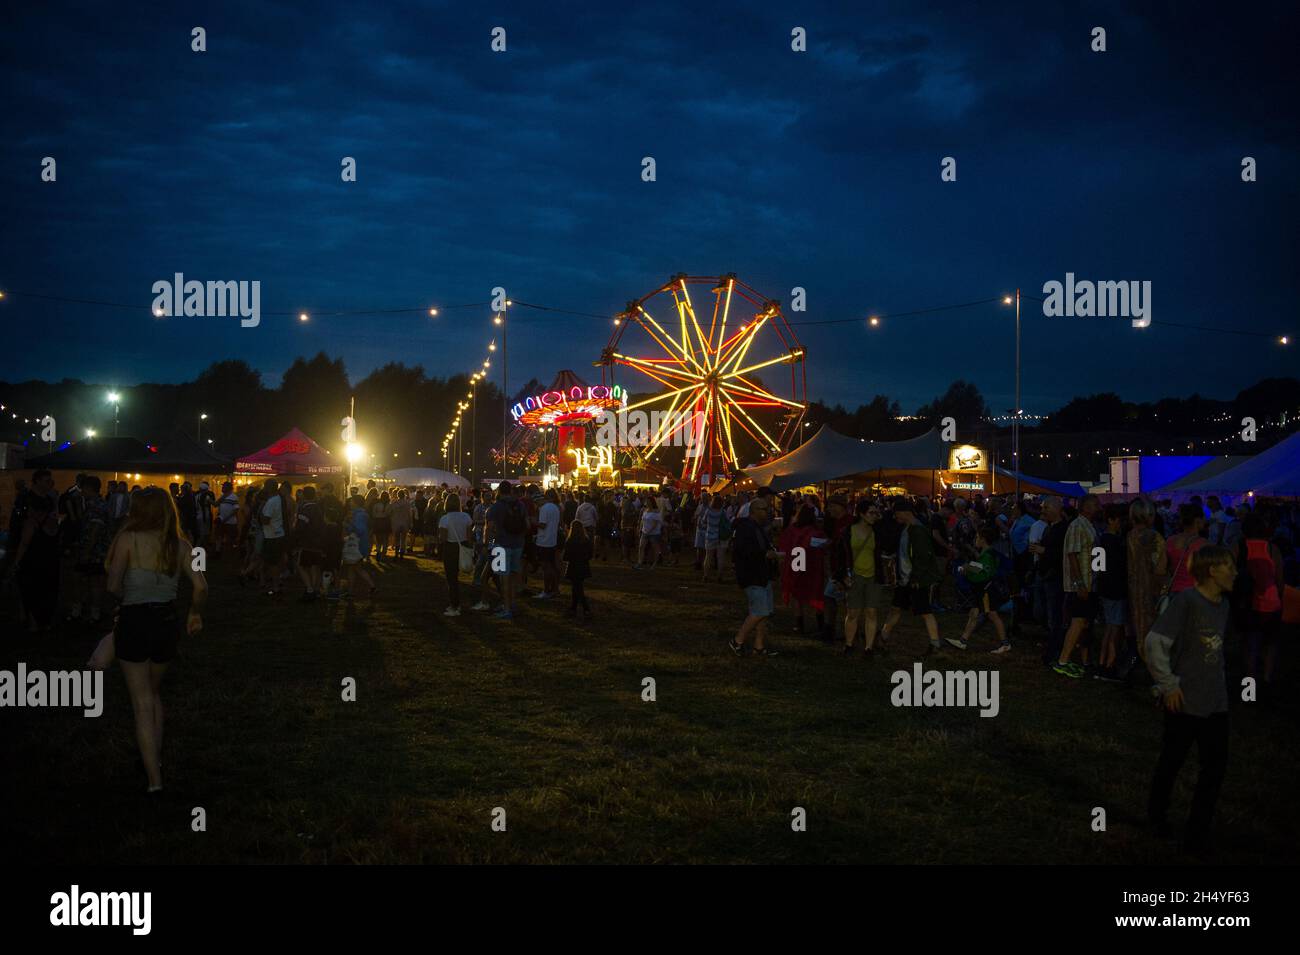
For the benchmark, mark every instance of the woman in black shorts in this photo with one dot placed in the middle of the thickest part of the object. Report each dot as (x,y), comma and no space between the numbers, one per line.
(145,564)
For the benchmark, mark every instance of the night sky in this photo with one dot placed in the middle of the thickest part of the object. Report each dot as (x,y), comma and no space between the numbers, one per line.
(523,169)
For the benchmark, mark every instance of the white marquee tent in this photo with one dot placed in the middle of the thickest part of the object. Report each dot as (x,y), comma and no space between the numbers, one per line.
(425,477)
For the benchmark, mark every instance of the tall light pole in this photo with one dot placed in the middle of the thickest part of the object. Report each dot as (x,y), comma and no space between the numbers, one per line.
(1015,420)
(114,397)
(473,425)
(352,449)
(500,319)
(457,444)
(199,438)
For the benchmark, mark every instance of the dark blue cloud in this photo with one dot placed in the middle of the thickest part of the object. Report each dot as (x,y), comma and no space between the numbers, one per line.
(522,169)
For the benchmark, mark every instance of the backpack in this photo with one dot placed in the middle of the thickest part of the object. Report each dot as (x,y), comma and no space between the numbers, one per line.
(92,545)
(724,527)
(72,508)
(513,521)
(309,530)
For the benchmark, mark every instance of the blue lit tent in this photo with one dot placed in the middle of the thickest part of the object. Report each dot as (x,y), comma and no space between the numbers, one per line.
(1271,473)
(1210,469)
(1005,483)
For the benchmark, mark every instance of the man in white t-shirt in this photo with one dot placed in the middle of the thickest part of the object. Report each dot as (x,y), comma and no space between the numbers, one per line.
(1036,532)
(272,514)
(547,541)
(744,508)
(273,542)
(586,515)
(454,528)
(227,519)
(652,527)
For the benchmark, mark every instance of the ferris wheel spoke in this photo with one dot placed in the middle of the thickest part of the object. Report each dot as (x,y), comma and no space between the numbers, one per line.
(722,329)
(661,435)
(702,441)
(726,423)
(728,347)
(769,443)
(757,391)
(705,345)
(667,342)
(713,322)
(662,338)
(763,364)
(660,397)
(725,411)
(742,344)
(655,368)
(663,381)
(681,317)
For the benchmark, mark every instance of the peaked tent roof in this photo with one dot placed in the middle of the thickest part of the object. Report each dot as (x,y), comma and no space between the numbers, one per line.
(180,452)
(93,454)
(295,453)
(828,455)
(566,380)
(1272,472)
(1211,468)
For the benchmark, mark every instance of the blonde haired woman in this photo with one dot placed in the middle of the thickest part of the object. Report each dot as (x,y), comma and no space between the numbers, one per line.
(145,564)
(1147,565)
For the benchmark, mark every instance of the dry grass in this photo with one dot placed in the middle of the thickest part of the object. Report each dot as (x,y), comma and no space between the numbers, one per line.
(455,717)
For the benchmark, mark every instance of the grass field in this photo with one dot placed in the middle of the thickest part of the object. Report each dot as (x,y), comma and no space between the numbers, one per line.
(454,717)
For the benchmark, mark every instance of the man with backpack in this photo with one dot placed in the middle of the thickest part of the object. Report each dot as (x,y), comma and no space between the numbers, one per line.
(754,560)
(988,589)
(507,526)
(90,551)
(71,505)
(335,516)
(309,538)
(204,501)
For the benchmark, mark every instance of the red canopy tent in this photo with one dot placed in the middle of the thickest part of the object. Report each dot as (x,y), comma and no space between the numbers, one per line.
(295,453)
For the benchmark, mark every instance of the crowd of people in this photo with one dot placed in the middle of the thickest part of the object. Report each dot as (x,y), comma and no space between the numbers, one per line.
(1134,591)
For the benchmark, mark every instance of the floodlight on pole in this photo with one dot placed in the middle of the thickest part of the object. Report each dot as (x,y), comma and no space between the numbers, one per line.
(114,397)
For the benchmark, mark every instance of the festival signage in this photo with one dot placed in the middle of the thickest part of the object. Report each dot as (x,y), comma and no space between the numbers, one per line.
(597,463)
(966,457)
(579,401)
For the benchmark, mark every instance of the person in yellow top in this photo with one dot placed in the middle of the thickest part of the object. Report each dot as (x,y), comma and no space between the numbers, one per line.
(864,587)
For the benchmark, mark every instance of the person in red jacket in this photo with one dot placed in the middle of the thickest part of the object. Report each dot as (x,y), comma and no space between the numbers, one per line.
(803,578)
(1259,614)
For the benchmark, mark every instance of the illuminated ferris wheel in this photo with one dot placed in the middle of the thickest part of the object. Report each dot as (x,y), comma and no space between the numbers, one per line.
(731,373)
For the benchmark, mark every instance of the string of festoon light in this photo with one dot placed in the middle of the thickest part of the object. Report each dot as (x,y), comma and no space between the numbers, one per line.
(875,322)
(462,406)
(14,416)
